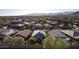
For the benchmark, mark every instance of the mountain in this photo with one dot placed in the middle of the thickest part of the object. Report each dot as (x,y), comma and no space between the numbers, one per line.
(50,14)
(77,12)
(42,14)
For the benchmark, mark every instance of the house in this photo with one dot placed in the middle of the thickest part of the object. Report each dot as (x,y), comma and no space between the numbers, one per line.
(4,23)
(72,34)
(26,25)
(48,26)
(66,25)
(48,21)
(54,22)
(24,33)
(20,20)
(38,26)
(75,26)
(39,35)
(5,27)
(33,22)
(9,32)
(16,24)
(26,19)
(58,34)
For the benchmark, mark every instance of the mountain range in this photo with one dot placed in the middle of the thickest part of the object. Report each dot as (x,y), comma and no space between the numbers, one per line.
(53,14)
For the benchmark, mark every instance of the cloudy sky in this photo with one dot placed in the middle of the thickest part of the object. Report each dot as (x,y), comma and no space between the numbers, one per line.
(22,7)
(7,12)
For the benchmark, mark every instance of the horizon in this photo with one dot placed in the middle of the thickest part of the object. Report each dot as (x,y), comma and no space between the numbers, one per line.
(17,12)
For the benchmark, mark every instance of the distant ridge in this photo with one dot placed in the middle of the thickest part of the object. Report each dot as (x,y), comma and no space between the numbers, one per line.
(48,14)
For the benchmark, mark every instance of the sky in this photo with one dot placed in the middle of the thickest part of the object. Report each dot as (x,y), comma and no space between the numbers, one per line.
(23,7)
(10,12)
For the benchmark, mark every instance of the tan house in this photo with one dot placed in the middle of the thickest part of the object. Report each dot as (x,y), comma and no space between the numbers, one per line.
(24,33)
(58,34)
(73,34)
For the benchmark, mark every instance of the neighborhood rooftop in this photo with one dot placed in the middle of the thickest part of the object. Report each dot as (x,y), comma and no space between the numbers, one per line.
(24,33)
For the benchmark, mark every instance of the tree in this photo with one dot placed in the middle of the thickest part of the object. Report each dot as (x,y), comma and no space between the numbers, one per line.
(8,19)
(7,40)
(74,44)
(32,40)
(19,41)
(42,20)
(52,42)
(13,40)
(48,42)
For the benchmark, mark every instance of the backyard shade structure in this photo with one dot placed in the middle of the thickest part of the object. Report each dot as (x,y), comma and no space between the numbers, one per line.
(58,34)
(24,33)
(39,35)
(71,33)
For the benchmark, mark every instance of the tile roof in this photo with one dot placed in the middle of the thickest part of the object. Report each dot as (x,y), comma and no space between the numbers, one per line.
(71,33)
(9,32)
(54,32)
(57,33)
(24,33)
